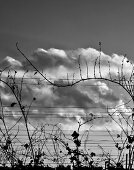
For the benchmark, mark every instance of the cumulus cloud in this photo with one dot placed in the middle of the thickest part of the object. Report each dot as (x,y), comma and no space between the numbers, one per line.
(103,88)
(62,66)
(12,61)
(49,59)
(67,61)
(60,53)
(105,94)
(53,51)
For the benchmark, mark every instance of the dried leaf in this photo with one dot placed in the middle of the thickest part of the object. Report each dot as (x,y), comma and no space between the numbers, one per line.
(26,145)
(13,104)
(35,72)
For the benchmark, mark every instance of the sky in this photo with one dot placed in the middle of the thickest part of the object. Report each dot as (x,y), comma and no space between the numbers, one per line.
(53,34)
(67,25)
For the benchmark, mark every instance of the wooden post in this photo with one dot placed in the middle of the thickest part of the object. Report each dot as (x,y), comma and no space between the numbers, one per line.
(129,166)
(126,160)
(107,164)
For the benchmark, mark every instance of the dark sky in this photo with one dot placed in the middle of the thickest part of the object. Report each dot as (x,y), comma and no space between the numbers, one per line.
(66,24)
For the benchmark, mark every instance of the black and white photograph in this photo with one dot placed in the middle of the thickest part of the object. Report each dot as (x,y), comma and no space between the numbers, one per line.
(67,84)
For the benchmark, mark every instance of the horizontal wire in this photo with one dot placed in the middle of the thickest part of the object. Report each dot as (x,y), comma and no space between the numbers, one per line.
(66,87)
(65,80)
(87,148)
(64,106)
(61,116)
(104,112)
(92,131)
(68,134)
(71,145)
(87,142)
(117,140)
(93,140)
(60,79)
(128,110)
(50,107)
(34,84)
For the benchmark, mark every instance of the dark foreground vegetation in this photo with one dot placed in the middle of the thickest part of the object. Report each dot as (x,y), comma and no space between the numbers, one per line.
(59,168)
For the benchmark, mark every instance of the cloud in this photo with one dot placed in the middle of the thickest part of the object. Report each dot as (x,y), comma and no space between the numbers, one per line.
(61,66)
(103,88)
(6,96)
(57,52)
(51,58)
(13,62)
(2,84)
(72,97)
(68,61)
(121,108)
(90,54)
(53,52)
(101,93)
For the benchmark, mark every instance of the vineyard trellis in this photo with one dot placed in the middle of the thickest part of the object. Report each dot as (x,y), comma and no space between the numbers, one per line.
(35,151)
(126,82)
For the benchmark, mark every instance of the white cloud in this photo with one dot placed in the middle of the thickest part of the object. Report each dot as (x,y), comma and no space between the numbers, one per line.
(6,96)
(63,68)
(67,62)
(53,51)
(91,54)
(57,52)
(13,62)
(41,50)
(73,126)
(103,88)
(2,84)
(118,109)
(121,108)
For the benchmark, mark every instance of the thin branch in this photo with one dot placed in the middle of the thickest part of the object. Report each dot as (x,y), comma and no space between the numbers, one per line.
(80,68)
